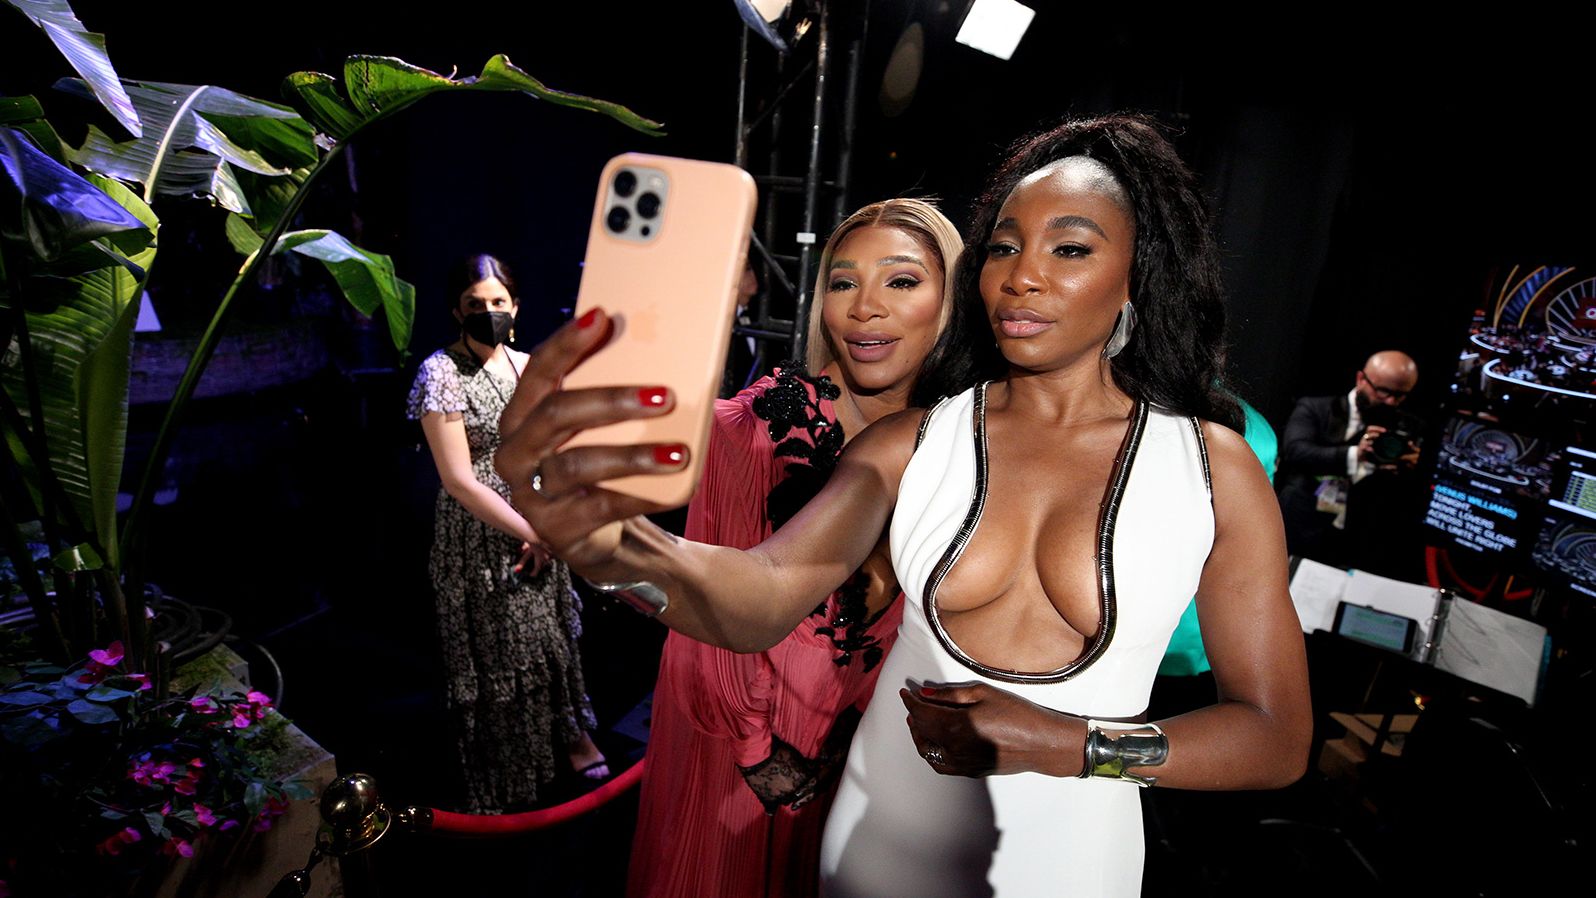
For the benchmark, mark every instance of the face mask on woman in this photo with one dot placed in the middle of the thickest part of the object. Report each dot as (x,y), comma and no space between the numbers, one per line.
(488,328)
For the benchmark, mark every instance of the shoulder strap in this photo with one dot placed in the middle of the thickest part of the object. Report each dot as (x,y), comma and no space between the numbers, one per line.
(1202,454)
(925,420)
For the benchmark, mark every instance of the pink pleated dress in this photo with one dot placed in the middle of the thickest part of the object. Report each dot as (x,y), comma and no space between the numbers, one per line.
(786,714)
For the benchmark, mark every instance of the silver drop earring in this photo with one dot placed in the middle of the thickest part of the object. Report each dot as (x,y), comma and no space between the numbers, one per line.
(1122,331)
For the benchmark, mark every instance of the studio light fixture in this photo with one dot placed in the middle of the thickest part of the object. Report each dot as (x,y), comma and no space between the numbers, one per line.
(995,26)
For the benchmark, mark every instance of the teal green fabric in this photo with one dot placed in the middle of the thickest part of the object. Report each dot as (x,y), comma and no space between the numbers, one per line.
(1185,656)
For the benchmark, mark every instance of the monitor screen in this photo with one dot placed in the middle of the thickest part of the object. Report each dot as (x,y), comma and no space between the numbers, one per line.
(1490,485)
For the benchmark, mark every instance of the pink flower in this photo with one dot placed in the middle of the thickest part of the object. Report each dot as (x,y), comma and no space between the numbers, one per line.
(178,846)
(143,772)
(143,681)
(196,762)
(110,656)
(205,815)
(241,717)
(203,704)
(259,699)
(262,823)
(116,841)
(166,809)
(228,824)
(185,786)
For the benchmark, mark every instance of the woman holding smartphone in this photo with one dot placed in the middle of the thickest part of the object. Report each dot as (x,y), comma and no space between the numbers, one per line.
(506,613)
(1049,522)
(744,750)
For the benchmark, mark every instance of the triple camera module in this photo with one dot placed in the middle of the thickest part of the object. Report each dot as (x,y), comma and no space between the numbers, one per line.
(636,198)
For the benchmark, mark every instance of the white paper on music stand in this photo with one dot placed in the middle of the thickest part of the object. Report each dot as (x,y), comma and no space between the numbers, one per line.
(1498,650)
(1414,600)
(1315,590)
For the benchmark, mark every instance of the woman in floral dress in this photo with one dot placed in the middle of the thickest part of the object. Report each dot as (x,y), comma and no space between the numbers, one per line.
(506,614)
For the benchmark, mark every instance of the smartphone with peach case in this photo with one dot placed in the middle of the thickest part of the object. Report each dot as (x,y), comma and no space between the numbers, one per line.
(665,251)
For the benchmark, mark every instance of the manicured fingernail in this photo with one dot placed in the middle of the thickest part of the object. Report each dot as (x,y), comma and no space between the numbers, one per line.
(652,397)
(587,319)
(927,690)
(671,454)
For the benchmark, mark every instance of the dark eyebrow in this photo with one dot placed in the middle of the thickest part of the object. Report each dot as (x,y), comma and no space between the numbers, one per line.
(1065,222)
(893,260)
(1061,223)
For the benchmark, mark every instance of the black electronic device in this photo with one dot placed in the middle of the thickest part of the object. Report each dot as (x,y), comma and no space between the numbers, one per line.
(1372,626)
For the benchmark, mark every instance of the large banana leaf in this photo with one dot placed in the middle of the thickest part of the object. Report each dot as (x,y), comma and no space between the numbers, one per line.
(194,136)
(80,353)
(52,210)
(26,115)
(377,85)
(367,279)
(84,51)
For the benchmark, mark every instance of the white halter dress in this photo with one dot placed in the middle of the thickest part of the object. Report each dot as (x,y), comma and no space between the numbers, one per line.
(897,828)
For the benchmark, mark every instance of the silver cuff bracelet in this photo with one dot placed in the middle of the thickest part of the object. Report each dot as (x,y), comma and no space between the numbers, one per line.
(1110,752)
(642,596)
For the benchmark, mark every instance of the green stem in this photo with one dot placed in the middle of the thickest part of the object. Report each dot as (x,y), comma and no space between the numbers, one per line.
(127,627)
(197,363)
(43,613)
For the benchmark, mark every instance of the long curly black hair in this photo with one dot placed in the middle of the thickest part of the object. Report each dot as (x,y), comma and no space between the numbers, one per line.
(1175,357)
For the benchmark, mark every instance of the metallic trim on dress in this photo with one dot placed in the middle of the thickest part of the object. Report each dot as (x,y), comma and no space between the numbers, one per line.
(1107,518)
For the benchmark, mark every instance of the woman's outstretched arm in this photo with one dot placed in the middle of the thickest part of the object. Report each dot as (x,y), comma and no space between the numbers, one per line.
(744,601)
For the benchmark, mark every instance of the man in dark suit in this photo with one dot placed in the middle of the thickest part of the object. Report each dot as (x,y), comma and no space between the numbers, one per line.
(1332,457)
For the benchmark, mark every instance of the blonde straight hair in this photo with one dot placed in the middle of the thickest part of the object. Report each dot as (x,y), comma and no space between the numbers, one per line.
(922,221)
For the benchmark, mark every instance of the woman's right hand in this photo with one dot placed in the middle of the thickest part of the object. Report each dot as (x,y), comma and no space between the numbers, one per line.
(580,521)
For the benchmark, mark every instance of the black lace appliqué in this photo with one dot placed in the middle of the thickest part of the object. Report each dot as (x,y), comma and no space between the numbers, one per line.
(786,407)
(788,778)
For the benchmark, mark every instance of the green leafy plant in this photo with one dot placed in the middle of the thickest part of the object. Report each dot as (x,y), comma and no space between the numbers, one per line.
(78,240)
(115,777)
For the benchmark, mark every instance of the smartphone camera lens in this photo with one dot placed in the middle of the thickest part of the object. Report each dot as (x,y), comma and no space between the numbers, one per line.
(618,219)
(648,205)
(625,184)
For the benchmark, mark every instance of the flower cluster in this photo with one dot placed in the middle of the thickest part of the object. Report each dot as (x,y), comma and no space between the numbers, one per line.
(190,767)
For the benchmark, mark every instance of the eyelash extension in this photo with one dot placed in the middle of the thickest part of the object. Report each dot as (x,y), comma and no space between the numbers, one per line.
(903,283)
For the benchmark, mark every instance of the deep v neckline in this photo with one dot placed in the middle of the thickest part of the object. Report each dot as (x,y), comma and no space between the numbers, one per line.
(1108,516)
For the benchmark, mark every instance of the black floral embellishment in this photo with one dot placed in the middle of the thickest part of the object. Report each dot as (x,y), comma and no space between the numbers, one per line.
(786,406)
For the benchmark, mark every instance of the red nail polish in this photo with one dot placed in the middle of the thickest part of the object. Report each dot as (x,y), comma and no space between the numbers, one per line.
(670,454)
(927,690)
(652,397)
(587,319)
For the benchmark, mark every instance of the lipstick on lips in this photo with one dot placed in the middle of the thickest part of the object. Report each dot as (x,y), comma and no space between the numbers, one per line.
(869,346)
(1022,322)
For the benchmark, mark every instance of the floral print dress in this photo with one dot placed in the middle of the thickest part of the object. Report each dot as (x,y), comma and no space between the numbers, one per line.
(515,689)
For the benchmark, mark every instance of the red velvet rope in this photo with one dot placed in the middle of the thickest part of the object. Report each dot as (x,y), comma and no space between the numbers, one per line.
(448,823)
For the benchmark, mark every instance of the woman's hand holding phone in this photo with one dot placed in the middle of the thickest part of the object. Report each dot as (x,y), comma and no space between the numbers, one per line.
(557,491)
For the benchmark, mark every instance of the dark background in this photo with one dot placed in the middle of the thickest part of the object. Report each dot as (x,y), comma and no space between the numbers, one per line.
(1367,175)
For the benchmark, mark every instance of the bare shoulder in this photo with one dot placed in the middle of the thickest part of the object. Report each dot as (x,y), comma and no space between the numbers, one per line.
(888,443)
(1244,501)
(1230,458)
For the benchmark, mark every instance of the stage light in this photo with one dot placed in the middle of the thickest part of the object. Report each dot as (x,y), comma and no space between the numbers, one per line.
(994,26)
(780,22)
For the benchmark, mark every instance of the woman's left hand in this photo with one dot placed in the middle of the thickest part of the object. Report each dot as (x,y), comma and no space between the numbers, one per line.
(974,729)
(535,553)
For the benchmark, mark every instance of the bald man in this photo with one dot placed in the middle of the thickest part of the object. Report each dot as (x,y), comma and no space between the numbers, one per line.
(1333,445)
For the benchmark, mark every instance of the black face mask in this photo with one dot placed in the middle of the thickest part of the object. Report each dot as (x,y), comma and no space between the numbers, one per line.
(488,328)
